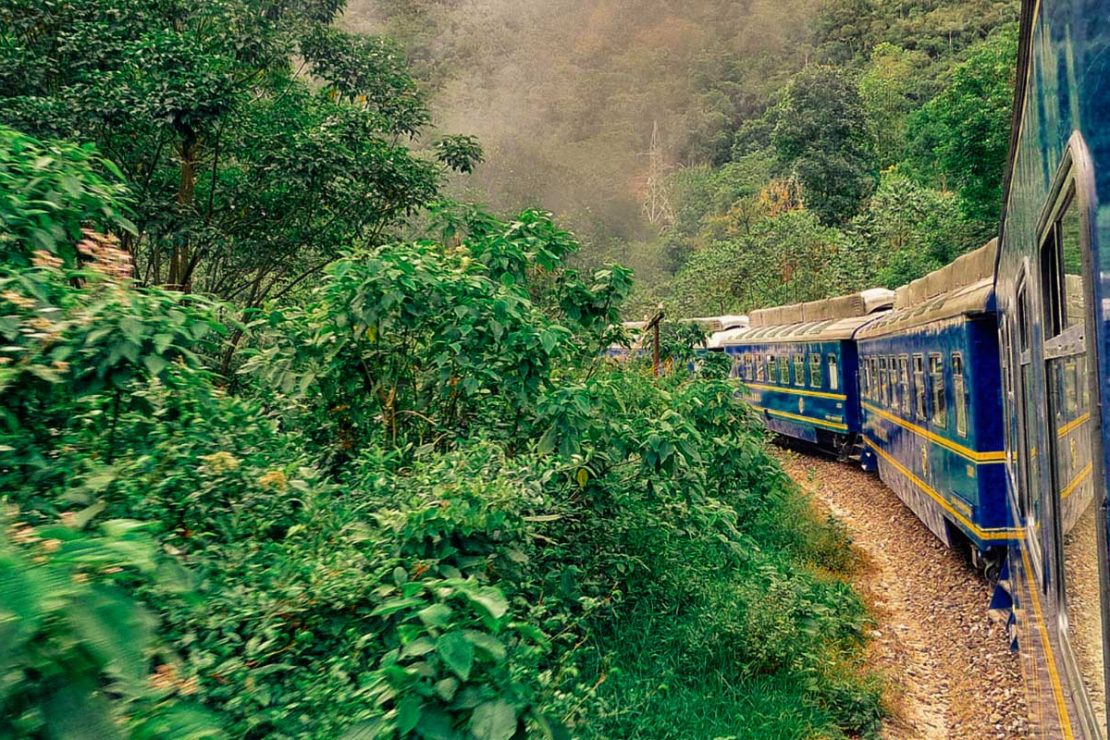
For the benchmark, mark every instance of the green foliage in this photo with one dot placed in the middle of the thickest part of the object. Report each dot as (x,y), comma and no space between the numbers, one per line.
(49,192)
(847,30)
(248,174)
(822,137)
(701,196)
(71,636)
(906,232)
(931,88)
(460,153)
(436,511)
(891,88)
(781,259)
(962,135)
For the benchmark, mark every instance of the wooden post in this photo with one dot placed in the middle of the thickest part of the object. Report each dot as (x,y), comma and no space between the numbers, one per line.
(656,362)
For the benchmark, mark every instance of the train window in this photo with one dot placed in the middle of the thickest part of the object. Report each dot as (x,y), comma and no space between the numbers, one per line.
(760,368)
(784,370)
(1022,321)
(834,373)
(959,393)
(936,381)
(815,379)
(873,377)
(919,386)
(799,370)
(892,382)
(772,369)
(904,382)
(1071,388)
(1062,270)
(897,394)
(884,390)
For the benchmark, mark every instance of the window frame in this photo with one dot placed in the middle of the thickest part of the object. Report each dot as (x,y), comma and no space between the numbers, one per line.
(920,392)
(938,391)
(884,388)
(960,394)
(833,371)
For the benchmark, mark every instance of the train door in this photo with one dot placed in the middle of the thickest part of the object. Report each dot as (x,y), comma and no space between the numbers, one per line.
(1079,515)
(1027,460)
(1029,498)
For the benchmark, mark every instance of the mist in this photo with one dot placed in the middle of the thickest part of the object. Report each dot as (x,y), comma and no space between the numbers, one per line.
(564,94)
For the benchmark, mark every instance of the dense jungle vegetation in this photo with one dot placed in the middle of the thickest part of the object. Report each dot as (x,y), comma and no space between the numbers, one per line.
(807,148)
(292,445)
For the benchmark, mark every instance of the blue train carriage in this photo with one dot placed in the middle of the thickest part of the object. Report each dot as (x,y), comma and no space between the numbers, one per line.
(798,366)
(932,409)
(1052,294)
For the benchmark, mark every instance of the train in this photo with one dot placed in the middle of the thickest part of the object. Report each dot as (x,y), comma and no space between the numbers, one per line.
(976,392)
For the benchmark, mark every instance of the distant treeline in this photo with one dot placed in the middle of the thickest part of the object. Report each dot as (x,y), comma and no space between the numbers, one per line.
(805,149)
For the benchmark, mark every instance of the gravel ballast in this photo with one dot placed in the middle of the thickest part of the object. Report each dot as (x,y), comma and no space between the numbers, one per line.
(948,666)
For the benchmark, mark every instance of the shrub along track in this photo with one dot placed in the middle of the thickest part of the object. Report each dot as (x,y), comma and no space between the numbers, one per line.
(947,664)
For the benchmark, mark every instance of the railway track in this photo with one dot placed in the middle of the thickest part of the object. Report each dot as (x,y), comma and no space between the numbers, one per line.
(948,667)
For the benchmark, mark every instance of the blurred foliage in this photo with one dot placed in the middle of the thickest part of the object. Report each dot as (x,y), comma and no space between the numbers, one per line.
(50,192)
(821,137)
(933,115)
(435,508)
(255,138)
(921,87)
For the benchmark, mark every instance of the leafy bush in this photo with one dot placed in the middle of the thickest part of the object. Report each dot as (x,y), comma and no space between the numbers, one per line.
(435,509)
(49,192)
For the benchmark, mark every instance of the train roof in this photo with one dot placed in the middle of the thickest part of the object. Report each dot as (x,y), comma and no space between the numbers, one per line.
(963,288)
(708,323)
(851,306)
(808,331)
(720,339)
(816,321)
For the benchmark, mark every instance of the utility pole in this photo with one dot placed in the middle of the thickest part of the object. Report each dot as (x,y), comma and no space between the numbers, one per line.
(657,207)
(656,360)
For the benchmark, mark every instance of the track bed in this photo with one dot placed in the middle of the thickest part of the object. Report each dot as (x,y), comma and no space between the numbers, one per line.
(947,663)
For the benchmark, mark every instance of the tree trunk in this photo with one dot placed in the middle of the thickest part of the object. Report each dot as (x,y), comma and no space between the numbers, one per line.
(181,263)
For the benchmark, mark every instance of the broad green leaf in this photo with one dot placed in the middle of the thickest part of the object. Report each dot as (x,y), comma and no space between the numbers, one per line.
(436,615)
(418,647)
(446,688)
(180,723)
(435,724)
(408,714)
(488,644)
(490,599)
(493,720)
(369,730)
(457,653)
(114,629)
(155,364)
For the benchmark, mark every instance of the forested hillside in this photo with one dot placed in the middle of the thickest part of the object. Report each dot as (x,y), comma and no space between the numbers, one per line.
(293,445)
(804,149)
